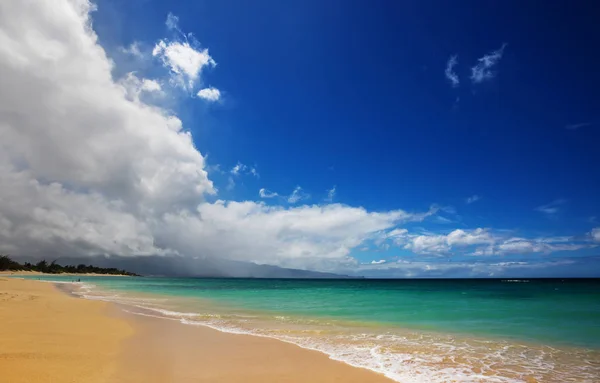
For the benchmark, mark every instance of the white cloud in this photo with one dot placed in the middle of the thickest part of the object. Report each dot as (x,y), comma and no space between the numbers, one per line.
(381,261)
(473,198)
(89,167)
(483,242)
(483,70)
(209,94)
(595,233)
(299,236)
(134,86)
(238,168)
(524,246)
(264,193)
(450,73)
(151,85)
(297,195)
(184,61)
(81,160)
(397,233)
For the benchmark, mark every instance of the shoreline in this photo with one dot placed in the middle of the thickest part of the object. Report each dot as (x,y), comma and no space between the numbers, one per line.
(48,335)
(223,357)
(28,273)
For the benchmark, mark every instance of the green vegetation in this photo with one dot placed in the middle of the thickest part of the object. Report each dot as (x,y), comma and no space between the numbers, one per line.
(8,264)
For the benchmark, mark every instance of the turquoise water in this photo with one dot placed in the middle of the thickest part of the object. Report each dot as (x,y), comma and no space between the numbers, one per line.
(545,327)
(556,311)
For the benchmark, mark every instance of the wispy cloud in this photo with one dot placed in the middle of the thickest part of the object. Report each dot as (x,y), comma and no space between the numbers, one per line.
(330,194)
(450,73)
(443,220)
(133,49)
(578,125)
(240,169)
(595,234)
(482,71)
(551,209)
(471,199)
(264,193)
(172,21)
(297,195)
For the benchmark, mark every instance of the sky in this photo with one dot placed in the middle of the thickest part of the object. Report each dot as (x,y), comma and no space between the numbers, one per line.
(386,139)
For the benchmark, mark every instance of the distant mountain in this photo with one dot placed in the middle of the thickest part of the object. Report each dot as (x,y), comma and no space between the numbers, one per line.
(199,267)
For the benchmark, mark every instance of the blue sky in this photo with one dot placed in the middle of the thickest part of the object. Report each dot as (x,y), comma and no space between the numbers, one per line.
(483,113)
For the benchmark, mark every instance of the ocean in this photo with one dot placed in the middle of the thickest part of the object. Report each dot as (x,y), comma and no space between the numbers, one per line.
(484,330)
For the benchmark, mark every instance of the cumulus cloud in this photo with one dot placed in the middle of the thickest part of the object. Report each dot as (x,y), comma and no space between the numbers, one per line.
(301,236)
(381,261)
(473,198)
(482,71)
(89,167)
(450,73)
(184,59)
(482,242)
(79,157)
(209,94)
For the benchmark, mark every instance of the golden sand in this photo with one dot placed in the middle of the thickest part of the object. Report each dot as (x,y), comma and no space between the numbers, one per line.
(48,336)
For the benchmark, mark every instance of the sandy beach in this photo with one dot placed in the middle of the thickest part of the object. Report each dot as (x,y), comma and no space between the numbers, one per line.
(49,336)
(29,273)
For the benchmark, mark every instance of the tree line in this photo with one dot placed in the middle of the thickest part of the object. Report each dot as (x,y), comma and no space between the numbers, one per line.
(8,264)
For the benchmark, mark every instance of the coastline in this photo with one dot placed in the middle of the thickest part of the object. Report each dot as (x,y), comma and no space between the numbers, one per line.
(49,336)
(29,273)
(201,354)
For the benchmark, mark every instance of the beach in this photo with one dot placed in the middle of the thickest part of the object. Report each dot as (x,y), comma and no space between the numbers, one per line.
(47,335)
